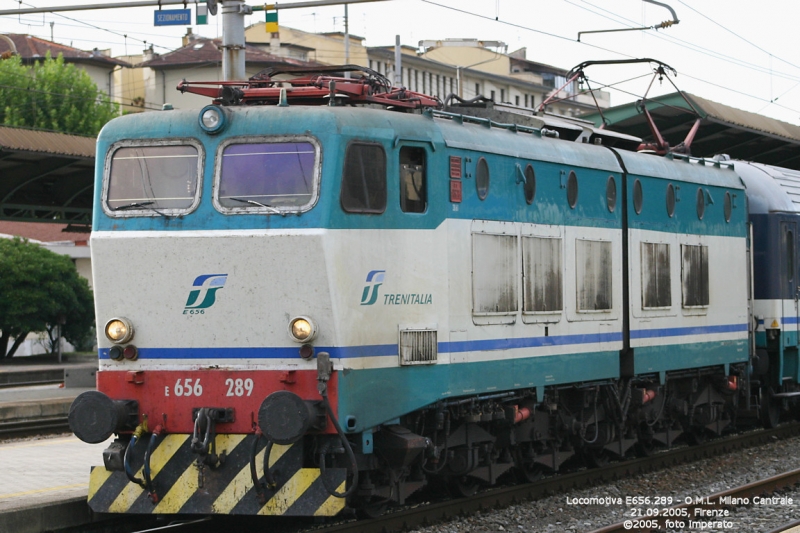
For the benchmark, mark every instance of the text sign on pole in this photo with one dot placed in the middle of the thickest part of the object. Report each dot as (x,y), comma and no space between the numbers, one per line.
(173,17)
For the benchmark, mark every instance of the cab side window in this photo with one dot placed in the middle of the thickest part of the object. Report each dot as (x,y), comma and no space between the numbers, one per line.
(413,182)
(364,178)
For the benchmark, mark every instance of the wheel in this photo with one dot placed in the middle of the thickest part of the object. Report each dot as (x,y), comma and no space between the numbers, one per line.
(372,509)
(464,486)
(645,447)
(597,457)
(527,471)
(696,435)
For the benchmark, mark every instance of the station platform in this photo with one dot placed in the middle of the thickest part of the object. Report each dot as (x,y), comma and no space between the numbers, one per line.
(41,387)
(44,480)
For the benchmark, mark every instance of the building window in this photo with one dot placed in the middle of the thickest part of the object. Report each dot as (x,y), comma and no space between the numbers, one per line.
(491,95)
(516,100)
(477,89)
(364,178)
(502,95)
(526,100)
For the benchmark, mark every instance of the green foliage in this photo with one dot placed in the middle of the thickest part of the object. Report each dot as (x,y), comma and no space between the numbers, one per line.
(52,95)
(37,289)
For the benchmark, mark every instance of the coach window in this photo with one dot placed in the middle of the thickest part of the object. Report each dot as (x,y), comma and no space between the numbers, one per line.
(530,184)
(157,180)
(701,204)
(482,178)
(638,196)
(267,177)
(695,275)
(541,272)
(594,268)
(364,178)
(413,182)
(572,189)
(655,276)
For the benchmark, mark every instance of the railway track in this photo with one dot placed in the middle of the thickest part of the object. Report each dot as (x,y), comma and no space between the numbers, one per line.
(708,507)
(28,428)
(501,497)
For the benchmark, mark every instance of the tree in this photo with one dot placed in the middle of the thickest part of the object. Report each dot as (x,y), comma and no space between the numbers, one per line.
(39,288)
(52,95)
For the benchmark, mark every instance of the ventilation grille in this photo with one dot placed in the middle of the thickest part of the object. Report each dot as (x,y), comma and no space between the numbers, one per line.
(418,347)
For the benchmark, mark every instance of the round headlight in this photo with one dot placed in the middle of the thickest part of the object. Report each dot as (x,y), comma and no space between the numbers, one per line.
(119,330)
(302,329)
(212,119)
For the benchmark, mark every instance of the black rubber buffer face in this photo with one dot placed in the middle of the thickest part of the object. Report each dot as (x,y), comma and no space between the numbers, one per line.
(93,416)
(284,417)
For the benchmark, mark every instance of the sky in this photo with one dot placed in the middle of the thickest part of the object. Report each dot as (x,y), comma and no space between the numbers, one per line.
(742,54)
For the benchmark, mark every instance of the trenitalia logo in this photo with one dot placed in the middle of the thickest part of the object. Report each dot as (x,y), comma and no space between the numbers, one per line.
(374,280)
(202,295)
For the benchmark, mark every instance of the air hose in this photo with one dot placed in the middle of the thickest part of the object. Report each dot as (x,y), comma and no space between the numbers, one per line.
(137,433)
(350,455)
(146,467)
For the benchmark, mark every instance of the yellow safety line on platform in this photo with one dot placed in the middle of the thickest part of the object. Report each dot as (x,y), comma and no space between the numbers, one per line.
(332,505)
(38,491)
(45,442)
(161,455)
(243,482)
(290,492)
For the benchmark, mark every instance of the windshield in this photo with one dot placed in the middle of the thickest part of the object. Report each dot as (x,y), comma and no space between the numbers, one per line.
(146,178)
(264,177)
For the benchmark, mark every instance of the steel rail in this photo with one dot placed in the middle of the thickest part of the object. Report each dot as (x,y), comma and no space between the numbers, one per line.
(13,385)
(424,515)
(27,428)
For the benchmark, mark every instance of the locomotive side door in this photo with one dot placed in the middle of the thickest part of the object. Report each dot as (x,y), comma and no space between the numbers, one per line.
(791,313)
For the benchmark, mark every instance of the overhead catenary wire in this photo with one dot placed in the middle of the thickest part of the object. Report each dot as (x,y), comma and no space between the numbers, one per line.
(564,38)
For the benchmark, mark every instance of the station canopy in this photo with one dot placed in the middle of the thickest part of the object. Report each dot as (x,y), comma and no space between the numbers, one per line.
(46,177)
(723,129)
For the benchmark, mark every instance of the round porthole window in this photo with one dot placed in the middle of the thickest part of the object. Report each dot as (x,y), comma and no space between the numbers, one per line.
(530,184)
(638,196)
(572,189)
(482,179)
(701,204)
(728,206)
(670,200)
(611,194)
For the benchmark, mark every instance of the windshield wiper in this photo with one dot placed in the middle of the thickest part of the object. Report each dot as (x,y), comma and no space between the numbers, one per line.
(146,205)
(131,206)
(268,207)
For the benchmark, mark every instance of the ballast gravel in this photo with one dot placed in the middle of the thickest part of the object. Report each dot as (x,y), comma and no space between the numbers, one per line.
(589,509)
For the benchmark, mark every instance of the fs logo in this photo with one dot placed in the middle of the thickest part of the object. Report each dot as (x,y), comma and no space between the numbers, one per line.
(374,280)
(203,292)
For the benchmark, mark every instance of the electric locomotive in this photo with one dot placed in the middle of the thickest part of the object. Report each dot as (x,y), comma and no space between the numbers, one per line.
(322,293)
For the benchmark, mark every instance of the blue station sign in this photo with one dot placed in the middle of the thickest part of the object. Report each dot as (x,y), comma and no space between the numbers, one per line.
(172,17)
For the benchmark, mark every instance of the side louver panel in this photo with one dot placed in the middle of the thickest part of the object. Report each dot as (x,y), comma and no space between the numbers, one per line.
(418,347)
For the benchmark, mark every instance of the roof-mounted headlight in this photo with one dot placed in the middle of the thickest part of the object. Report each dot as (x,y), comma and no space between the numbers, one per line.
(119,330)
(212,119)
(302,329)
